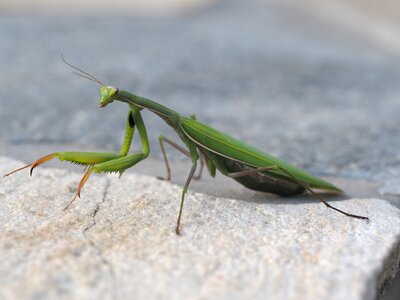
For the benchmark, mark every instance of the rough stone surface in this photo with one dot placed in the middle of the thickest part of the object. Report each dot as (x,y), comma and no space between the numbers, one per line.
(118,242)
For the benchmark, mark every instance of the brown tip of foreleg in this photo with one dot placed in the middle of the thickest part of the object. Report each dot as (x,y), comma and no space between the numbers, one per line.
(70,203)
(33,165)
(80,186)
(40,161)
(15,171)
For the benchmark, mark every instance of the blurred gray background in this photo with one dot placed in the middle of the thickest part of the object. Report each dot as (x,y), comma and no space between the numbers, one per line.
(315,83)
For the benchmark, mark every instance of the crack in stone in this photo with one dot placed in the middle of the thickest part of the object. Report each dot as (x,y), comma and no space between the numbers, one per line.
(93,244)
(96,210)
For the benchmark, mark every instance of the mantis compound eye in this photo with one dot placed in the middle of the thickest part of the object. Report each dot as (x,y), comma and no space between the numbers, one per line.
(107,95)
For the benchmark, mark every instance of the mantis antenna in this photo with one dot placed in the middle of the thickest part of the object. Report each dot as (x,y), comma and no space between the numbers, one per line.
(82,73)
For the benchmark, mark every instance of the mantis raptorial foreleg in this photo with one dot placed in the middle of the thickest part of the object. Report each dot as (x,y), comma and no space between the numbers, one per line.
(162,139)
(124,161)
(116,165)
(87,158)
(99,162)
(79,158)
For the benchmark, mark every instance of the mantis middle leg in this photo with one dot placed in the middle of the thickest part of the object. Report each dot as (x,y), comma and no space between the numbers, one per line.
(194,156)
(162,139)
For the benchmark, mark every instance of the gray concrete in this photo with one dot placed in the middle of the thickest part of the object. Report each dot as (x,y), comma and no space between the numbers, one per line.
(118,242)
(293,85)
(296,88)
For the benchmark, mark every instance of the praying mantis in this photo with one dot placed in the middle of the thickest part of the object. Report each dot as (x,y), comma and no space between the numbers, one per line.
(216,150)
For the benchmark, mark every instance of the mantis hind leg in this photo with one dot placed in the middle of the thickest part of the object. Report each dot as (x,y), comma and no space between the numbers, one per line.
(162,139)
(305,186)
(320,198)
(250,171)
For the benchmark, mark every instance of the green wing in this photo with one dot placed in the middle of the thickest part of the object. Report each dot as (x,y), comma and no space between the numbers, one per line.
(227,146)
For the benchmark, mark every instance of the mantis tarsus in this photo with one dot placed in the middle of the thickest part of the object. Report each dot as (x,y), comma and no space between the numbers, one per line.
(246,164)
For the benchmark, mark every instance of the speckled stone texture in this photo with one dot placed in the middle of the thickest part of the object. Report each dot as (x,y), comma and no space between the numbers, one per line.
(118,242)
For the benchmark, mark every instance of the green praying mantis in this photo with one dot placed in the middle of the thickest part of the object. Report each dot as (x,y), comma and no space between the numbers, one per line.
(246,164)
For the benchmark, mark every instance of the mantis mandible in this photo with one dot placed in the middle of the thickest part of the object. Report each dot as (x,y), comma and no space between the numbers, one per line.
(246,164)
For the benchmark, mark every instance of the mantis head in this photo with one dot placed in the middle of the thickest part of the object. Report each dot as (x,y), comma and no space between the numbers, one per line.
(107,95)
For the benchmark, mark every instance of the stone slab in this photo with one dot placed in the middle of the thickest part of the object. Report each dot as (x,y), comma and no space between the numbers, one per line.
(118,242)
